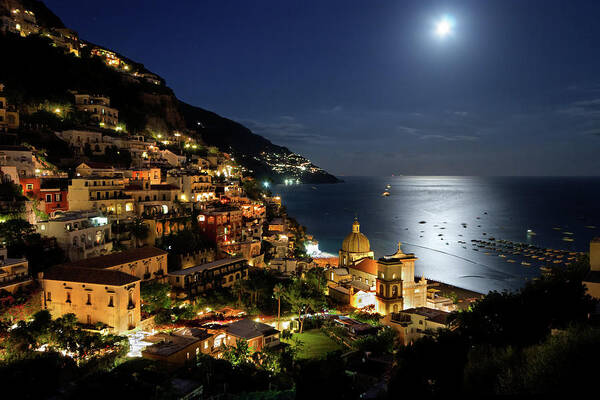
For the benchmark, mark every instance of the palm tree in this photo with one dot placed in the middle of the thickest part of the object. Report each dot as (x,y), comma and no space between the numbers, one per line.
(139,230)
(238,289)
(278,292)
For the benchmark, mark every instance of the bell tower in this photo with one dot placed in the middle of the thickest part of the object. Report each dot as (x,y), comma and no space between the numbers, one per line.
(396,283)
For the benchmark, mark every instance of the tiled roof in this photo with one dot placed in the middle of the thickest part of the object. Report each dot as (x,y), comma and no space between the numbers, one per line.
(89,275)
(97,165)
(13,148)
(592,277)
(367,265)
(431,314)
(114,259)
(248,329)
(207,266)
(54,183)
(168,344)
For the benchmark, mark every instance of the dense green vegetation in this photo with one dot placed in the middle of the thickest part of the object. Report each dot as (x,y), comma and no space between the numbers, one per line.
(21,240)
(505,344)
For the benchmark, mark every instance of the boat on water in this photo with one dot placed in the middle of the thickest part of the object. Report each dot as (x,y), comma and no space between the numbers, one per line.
(388,186)
(525,264)
(510,261)
(501,255)
(385,194)
(567,233)
(530,232)
(590,226)
(568,239)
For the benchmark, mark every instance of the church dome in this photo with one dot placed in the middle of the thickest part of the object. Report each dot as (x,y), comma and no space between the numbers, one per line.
(356,242)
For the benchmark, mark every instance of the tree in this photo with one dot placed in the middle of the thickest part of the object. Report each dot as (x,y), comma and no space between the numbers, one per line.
(155,296)
(14,232)
(237,355)
(277,293)
(238,290)
(139,230)
(303,298)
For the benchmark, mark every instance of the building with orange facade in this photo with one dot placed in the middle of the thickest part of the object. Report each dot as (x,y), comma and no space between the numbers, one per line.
(96,296)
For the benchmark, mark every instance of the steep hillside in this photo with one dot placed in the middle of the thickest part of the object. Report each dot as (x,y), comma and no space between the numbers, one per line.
(37,71)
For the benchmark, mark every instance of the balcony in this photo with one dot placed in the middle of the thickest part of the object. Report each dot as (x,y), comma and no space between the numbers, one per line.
(13,279)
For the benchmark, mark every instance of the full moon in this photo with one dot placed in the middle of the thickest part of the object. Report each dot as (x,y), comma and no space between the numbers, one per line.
(443,27)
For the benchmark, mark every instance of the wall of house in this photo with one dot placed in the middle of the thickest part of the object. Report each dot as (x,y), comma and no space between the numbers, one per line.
(145,269)
(107,304)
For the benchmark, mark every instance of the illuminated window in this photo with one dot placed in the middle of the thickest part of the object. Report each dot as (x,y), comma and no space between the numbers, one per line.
(201,218)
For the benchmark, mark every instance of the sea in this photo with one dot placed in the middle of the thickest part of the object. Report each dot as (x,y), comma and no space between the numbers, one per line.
(438,218)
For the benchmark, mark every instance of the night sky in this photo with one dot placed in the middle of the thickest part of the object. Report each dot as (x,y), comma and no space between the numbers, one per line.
(367,88)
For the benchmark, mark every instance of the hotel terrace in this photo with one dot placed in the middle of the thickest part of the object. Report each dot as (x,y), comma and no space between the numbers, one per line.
(222,273)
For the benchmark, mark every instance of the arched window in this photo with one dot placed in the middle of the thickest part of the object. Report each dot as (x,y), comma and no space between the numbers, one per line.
(394,291)
(395,308)
(381,291)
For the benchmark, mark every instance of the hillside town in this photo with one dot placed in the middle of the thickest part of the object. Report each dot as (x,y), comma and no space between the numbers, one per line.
(153,260)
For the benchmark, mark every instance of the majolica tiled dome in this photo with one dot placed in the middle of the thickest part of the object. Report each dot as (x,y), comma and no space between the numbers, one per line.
(356,242)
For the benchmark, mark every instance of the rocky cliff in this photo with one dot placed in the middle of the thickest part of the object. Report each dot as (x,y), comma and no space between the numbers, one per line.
(39,71)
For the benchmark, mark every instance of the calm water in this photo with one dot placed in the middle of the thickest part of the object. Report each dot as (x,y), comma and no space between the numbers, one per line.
(500,207)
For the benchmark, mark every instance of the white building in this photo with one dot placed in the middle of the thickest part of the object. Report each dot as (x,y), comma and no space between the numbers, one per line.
(80,234)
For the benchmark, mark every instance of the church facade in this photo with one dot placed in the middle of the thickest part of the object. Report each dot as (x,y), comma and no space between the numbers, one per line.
(392,278)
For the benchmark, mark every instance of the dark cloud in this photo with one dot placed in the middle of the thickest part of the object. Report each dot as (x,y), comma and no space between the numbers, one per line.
(286,130)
